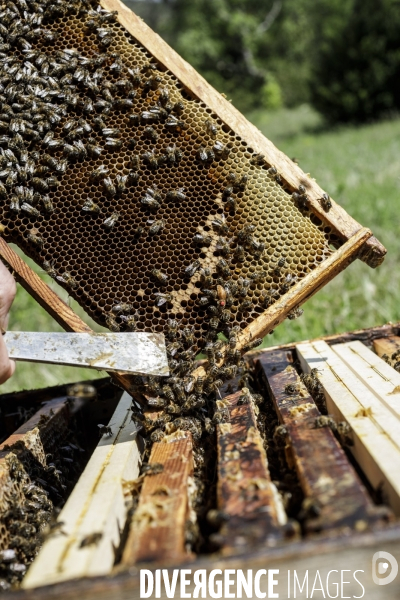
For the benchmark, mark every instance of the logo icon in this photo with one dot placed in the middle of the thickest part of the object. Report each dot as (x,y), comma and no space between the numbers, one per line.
(381,561)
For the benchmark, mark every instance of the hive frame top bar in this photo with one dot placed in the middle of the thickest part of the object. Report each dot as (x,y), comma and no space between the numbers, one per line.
(345,226)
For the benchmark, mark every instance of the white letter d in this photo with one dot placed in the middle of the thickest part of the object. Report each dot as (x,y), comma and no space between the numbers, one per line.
(143,574)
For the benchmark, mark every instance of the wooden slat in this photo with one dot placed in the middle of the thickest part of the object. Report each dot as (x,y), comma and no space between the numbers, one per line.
(387,346)
(379,377)
(347,398)
(373,252)
(157,531)
(50,414)
(245,491)
(96,506)
(326,477)
(299,293)
(49,300)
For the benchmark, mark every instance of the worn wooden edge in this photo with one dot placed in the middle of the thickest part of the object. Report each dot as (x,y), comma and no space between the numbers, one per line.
(379,377)
(373,252)
(388,345)
(347,399)
(245,492)
(157,531)
(367,336)
(52,303)
(300,292)
(329,482)
(96,507)
(311,554)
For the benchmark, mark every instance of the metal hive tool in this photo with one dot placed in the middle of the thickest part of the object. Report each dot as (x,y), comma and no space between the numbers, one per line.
(123,184)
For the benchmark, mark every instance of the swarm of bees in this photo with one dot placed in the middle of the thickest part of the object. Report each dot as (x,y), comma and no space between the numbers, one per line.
(35,490)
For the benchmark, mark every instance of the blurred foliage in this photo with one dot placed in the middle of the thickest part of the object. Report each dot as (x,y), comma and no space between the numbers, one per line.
(240,46)
(355,69)
(343,56)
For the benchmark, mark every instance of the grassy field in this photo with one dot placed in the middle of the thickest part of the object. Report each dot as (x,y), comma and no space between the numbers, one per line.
(358,167)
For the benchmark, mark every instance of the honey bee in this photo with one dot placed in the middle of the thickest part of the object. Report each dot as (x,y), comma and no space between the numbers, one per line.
(220,225)
(104,430)
(40,185)
(157,435)
(253,344)
(152,159)
(325,202)
(245,306)
(110,222)
(223,268)
(188,335)
(205,154)
(172,328)
(174,124)
(151,133)
(176,195)
(157,227)
(191,269)
(238,254)
(295,313)
(161,277)
(230,204)
(152,83)
(14,204)
(279,265)
(138,232)
(31,210)
(92,539)
(206,278)
(151,199)
(130,321)
(47,204)
(112,323)
(223,246)
(220,150)
(325,421)
(120,183)
(67,279)
(211,128)
(98,173)
(202,240)
(90,206)
(132,178)
(289,281)
(162,299)
(245,234)
(122,307)
(213,323)
(222,294)
(258,160)
(34,237)
(173,154)
(257,276)
(49,269)
(124,103)
(290,389)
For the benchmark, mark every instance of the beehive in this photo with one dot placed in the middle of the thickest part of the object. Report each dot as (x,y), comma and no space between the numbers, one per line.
(79,92)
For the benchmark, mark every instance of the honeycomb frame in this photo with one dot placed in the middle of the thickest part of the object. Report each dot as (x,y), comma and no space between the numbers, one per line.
(102,257)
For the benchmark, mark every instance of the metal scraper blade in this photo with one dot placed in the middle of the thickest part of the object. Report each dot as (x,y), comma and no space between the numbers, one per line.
(137,353)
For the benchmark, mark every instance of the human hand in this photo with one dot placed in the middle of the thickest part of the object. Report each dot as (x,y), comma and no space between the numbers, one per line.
(7,294)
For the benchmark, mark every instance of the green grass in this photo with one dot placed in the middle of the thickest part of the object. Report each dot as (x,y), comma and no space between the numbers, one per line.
(360,169)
